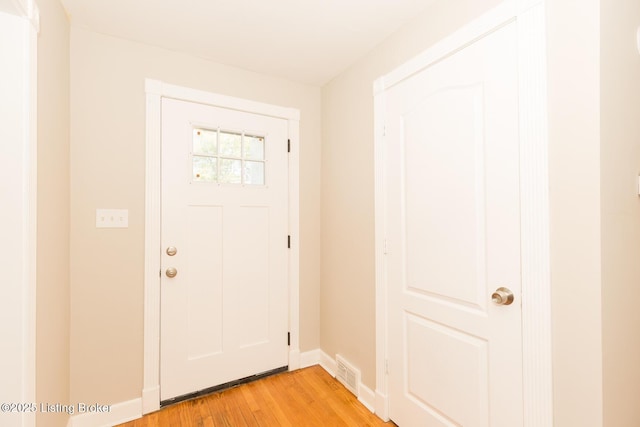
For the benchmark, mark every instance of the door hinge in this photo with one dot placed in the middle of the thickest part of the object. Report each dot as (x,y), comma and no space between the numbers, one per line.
(288,242)
(289,338)
(288,145)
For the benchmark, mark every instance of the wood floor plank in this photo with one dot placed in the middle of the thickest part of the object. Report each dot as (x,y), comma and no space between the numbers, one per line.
(295,401)
(304,398)
(202,417)
(234,408)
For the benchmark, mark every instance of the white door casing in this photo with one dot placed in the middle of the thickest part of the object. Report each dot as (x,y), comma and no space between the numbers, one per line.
(526,19)
(156,92)
(19,26)
(224,316)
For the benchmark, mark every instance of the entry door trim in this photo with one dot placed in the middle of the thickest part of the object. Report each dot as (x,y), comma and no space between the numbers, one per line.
(155,91)
(534,206)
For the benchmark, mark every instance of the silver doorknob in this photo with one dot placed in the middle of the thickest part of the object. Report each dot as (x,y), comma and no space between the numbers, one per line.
(502,296)
(171,272)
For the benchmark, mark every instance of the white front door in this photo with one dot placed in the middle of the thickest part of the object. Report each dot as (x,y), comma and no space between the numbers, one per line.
(453,238)
(224,314)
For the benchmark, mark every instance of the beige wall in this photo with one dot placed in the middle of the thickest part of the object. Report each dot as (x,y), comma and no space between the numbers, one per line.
(620,212)
(348,289)
(52,299)
(108,171)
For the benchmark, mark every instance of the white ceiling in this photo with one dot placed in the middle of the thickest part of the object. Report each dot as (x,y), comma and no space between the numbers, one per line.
(308,41)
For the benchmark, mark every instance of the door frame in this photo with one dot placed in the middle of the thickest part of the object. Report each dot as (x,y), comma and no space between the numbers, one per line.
(155,91)
(529,16)
(18,159)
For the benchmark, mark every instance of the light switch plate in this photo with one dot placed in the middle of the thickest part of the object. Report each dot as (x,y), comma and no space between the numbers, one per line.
(112,218)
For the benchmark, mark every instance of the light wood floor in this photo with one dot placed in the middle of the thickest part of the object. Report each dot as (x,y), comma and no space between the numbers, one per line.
(304,398)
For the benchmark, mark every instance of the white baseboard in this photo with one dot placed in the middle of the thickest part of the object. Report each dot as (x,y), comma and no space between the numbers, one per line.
(116,414)
(367,397)
(328,363)
(318,357)
(310,358)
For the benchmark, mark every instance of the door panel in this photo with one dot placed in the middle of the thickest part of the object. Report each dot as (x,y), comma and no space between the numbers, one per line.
(204,293)
(460,373)
(251,273)
(453,232)
(440,260)
(224,316)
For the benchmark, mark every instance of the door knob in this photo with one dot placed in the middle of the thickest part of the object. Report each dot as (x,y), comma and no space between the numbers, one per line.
(171,272)
(171,250)
(502,296)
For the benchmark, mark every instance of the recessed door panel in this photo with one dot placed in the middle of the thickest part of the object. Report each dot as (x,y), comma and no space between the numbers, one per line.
(204,269)
(444,184)
(450,386)
(251,274)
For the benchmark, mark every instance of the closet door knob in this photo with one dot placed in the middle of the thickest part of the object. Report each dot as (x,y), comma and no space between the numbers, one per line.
(502,296)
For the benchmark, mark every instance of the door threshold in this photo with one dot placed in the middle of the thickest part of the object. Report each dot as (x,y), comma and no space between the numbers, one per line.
(222,387)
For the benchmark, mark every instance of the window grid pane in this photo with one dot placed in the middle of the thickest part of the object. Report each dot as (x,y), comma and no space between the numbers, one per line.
(205,141)
(230,171)
(253,147)
(205,169)
(230,144)
(227,157)
(254,173)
